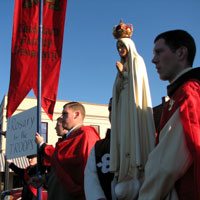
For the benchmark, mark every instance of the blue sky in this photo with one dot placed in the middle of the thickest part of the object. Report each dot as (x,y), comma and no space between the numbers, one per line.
(89,49)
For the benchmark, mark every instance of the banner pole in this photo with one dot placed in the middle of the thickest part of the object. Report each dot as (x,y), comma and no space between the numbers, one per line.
(39,104)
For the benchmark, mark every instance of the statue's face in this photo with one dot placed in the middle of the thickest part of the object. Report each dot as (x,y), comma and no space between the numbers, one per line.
(122,49)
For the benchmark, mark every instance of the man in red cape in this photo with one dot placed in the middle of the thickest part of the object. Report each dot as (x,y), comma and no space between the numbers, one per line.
(172,171)
(68,159)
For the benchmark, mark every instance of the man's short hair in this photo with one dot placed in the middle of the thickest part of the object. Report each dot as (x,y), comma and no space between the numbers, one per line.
(179,38)
(76,106)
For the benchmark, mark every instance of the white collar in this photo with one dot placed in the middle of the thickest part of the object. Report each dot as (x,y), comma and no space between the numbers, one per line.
(181,73)
(71,130)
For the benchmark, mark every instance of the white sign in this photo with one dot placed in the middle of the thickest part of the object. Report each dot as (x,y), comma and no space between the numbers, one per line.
(20,135)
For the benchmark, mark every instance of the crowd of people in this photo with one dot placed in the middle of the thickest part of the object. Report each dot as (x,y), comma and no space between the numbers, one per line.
(143,156)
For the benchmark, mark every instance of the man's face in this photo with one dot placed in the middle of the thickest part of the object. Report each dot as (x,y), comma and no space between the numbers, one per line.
(69,117)
(32,161)
(166,61)
(59,128)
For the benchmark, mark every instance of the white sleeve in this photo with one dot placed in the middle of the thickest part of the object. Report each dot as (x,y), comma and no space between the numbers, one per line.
(92,187)
(167,162)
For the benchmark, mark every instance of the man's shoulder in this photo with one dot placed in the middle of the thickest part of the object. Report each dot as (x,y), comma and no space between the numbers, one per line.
(191,87)
(88,129)
(187,81)
(192,79)
(187,94)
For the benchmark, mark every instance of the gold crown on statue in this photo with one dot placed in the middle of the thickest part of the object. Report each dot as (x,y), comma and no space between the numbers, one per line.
(122,30)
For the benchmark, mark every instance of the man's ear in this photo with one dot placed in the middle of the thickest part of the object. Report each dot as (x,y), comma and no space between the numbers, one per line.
(76,114)
(182,53)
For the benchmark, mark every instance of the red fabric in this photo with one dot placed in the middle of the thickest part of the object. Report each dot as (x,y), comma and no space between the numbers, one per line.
(32,188)
(24,60)
(48,153)
(185,185)
(27,179)
(187,100)
(70,158)
(190,117)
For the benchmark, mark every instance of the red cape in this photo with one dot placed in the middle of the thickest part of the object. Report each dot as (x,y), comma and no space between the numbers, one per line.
(190,117)
(70,157)
(47,152)
(187,99)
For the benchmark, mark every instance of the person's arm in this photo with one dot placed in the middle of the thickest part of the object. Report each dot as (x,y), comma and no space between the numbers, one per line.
(17,170)
(92,187)
(39,139)
(46,151)
(122,70)
(167,162)
(120,67)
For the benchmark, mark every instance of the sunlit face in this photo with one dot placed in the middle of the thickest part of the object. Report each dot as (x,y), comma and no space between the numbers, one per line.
(59,128)
(32,161)
(122,49)
(166,61)
(69,116)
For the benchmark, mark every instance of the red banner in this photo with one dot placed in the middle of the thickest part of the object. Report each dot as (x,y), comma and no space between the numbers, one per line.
(24,55)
